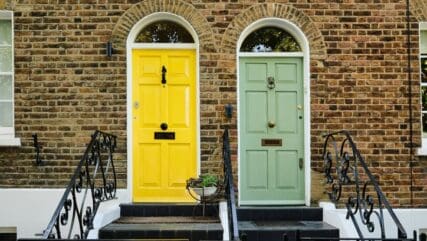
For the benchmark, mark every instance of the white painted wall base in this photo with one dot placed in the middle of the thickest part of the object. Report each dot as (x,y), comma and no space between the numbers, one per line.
(411,219)
(30,210)
(223,216)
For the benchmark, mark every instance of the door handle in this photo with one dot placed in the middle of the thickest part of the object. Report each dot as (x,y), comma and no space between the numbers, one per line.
(164,126)
(164,74)
(271,124)
(301,163)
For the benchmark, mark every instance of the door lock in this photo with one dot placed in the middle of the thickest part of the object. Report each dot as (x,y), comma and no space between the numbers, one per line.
(136,104)
(301,163)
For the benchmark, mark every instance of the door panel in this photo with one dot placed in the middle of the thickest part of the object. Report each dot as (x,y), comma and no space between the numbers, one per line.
(179,106)
(178,173)
(257,169)
(161,166)
(149,154)
(286,73)
(256,120)
(272,135)
(285,168)
(286,113)
(150,94)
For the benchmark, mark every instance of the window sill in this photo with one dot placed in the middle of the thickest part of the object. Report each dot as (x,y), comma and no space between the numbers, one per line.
(10,141)
(422,151)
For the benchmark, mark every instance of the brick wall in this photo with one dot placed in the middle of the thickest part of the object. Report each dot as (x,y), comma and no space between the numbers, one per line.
(65,86)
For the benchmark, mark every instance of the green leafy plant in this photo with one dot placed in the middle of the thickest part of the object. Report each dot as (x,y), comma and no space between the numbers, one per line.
(204,180)
(209,180)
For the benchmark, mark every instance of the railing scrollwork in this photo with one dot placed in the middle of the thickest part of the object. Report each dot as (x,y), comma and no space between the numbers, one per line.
(93,182)
(343,167)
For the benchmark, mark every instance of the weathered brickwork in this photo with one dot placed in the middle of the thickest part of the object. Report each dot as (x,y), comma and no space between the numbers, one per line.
(65,86)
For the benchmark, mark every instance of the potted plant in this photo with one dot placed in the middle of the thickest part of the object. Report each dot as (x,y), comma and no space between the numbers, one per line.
(204,185)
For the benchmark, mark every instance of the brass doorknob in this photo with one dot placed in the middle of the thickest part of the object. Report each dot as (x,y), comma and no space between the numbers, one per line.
(271,124)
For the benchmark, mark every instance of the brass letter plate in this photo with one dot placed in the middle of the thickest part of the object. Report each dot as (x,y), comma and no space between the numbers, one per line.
(164,135)
(271,142)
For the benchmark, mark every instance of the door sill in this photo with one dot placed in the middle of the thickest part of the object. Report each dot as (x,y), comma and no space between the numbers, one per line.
(272,202)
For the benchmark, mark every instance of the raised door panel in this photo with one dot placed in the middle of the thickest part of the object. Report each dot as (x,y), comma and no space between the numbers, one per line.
(178,168)
(286,112)
(148,169)
(149,106)
(287,170)
(286,73)
(256,112)
(179,106)
(256,169)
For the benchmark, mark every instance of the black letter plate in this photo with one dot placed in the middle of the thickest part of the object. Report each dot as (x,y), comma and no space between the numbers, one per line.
(164,135)
(271,142)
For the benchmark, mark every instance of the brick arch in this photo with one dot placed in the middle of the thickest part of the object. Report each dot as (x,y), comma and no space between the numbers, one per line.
(178,7)
(260,11)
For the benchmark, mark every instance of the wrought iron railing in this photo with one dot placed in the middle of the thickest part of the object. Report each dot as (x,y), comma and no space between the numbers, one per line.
(229,187)
(348,174)
(93,182)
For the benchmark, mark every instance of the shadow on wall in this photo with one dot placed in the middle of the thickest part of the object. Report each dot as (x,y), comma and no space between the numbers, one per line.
(318,188)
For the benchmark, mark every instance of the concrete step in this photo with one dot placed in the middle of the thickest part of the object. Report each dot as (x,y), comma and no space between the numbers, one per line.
(285,230)
(188,231)
(175,209)
(279,213)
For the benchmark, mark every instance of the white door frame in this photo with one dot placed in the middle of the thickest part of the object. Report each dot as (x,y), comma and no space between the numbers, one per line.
(300,37)
(131,45)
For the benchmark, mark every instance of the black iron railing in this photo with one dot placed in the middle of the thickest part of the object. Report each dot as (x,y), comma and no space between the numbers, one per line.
(348,174)
(229,187)
(94,181)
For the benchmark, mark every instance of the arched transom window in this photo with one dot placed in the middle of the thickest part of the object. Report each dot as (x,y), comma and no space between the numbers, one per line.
(164,31)
(270,39)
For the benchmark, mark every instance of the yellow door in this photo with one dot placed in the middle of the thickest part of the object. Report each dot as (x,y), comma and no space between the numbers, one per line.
(164,124)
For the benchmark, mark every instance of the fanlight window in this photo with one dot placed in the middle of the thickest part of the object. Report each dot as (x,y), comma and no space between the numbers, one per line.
(164,32)
(270,39)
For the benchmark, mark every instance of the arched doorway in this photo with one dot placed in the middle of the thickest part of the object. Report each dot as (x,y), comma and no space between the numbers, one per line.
(274,117)
(163,128)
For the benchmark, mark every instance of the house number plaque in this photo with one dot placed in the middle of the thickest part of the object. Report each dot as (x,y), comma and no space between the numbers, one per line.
(271,142)
(164,135)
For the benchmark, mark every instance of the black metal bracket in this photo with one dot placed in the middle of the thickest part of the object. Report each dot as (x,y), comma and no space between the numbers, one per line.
(37,147)
(228,111)
(109,50)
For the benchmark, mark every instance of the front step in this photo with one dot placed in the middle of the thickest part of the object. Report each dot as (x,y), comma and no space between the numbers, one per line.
(283,223)
(165,221)
(254,213)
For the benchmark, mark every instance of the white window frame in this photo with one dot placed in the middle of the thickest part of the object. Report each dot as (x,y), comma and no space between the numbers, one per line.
(7,134)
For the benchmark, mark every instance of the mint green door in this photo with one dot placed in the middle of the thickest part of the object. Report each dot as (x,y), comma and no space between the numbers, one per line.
(271,130)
